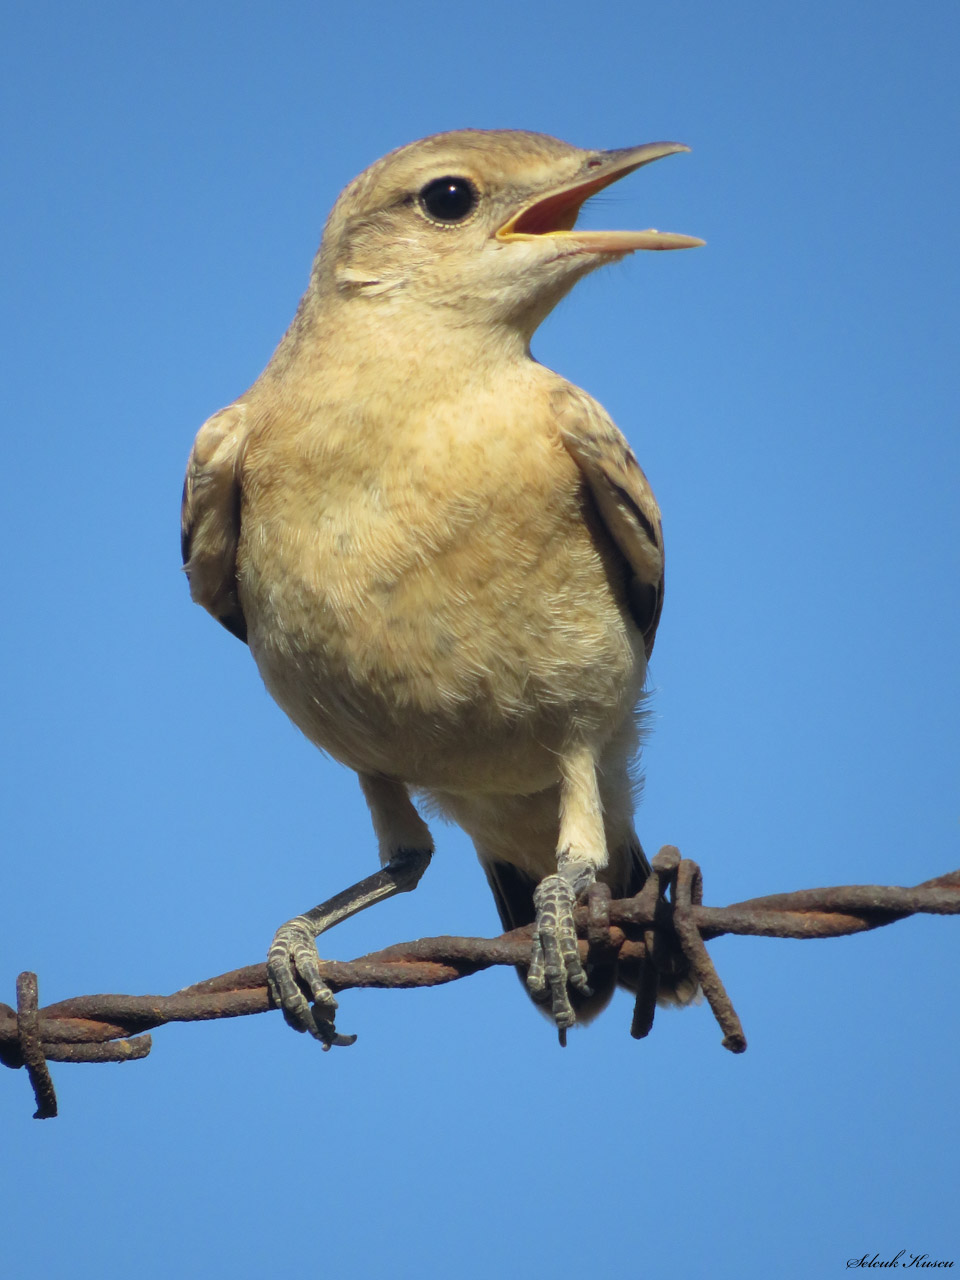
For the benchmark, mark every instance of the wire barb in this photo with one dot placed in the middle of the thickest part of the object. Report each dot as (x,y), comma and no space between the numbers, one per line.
(667,914)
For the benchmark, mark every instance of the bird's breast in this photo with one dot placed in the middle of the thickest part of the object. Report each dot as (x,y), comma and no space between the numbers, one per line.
(435,601)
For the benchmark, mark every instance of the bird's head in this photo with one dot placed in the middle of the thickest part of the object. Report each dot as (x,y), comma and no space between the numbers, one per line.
(479,223)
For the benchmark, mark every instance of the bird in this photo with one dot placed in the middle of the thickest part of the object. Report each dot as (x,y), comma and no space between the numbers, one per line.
(445,558)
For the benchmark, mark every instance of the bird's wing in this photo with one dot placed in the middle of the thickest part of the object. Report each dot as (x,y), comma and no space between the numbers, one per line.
(210,516)
(623,498)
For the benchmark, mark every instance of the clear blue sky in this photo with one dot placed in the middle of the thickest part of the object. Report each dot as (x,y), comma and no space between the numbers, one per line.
(791,391)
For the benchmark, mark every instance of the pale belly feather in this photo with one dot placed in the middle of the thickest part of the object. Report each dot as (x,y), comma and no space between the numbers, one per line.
(457,641)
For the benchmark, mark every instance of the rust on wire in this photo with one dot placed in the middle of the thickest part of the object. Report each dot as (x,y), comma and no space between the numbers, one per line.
(667,915)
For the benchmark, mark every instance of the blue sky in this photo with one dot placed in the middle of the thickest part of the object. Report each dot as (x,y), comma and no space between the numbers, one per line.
(791,390)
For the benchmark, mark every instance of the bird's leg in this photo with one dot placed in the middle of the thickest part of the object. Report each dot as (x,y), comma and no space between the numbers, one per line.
(555,965)
(293,966)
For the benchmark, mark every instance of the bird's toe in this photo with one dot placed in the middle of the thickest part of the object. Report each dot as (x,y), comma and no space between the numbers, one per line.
(555,965)
(297,987)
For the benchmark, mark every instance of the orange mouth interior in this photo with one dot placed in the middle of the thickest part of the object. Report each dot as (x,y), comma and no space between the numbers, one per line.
(558,212)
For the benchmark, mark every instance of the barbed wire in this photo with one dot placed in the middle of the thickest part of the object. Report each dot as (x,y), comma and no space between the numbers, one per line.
(638,933)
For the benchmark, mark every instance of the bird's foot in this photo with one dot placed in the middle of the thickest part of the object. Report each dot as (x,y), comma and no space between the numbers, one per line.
(293,976)
(555,965)
(293,966)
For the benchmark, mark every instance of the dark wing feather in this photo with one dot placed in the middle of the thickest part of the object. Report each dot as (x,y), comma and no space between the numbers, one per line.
(623,498)
(210,517)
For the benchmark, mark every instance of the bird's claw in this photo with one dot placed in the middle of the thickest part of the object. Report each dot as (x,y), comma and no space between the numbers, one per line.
(555,964)
(294,981)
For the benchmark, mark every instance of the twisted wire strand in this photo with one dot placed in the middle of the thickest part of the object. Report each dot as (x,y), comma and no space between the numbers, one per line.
(667,912)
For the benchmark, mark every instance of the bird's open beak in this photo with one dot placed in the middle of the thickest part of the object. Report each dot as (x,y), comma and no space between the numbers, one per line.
(555,214)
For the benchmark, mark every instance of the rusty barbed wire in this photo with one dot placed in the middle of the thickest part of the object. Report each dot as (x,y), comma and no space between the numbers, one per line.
(668,914)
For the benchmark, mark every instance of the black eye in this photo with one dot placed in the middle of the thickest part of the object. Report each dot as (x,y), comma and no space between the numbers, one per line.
(449,199)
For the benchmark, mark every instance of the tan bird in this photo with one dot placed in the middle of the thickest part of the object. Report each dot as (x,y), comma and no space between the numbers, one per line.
(445,558)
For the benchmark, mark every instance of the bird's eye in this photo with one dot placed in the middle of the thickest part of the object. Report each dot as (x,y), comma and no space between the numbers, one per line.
(449,199)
